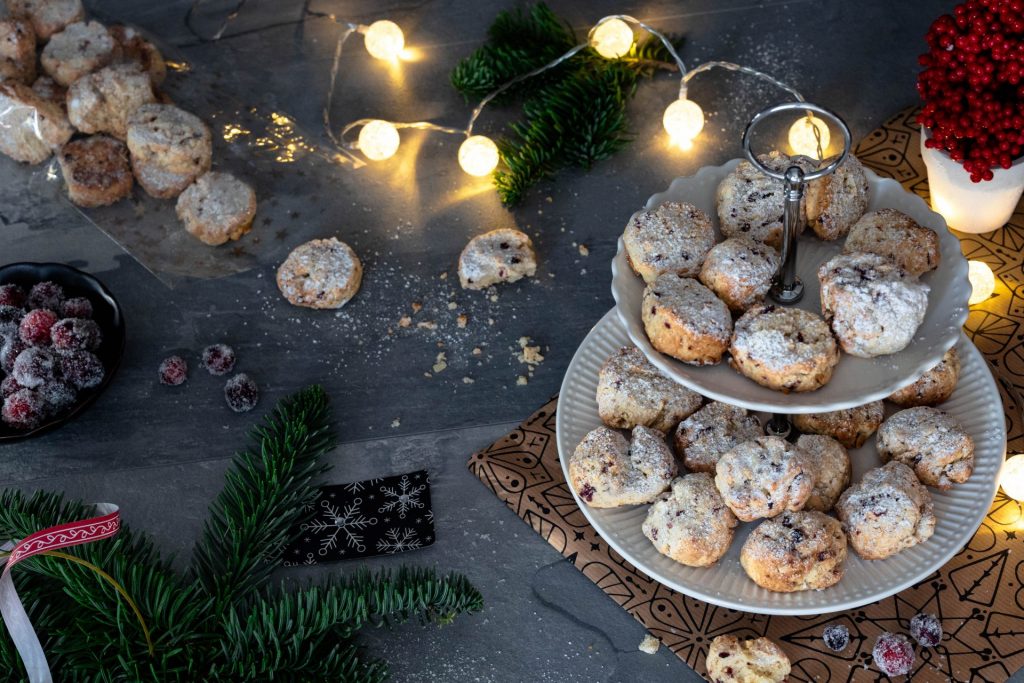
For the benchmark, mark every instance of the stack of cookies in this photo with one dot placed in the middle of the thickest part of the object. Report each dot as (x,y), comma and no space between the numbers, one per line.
(88,93)
(703,468)
(704,300)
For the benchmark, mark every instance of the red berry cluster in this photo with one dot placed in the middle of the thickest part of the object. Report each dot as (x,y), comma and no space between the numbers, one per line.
(973,85)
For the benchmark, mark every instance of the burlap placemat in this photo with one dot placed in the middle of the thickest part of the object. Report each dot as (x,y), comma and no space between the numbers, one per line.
(979,595)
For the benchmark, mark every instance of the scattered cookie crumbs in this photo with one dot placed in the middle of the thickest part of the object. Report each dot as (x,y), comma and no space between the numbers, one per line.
(529,355)
(443,276)
(584,251)
(427,325)
(494,298)
(396,423)
(462,320)
(404,321)
(477,351)
(452,305)
(649,644)
(521,381)
(417,307)
(427,375)
(440,363)
(468,380)
(490,321)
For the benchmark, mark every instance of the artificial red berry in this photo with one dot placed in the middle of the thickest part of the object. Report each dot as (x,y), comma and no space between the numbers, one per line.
(173,371)
(23,409)
(81,369)
(10,319)
(34,367)
(12,295)
(57,396)
(9,386)
(46,295)
(893,654)
(241,393)
(926,629)
(12,348)
(218,359)
(34,328)
(76,307)
(75,333)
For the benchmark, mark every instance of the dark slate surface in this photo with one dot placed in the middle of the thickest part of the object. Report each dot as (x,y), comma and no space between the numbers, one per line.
(161,452)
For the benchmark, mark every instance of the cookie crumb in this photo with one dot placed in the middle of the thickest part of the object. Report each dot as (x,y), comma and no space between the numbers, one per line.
(443,276)
(396,423)
(452,305)
(462,320)
(468,380)
(530,355)
(649,644)
(477,351)
(440,363)
(584,251)
(521,381)
(404,321)
(427,325)
(417,307)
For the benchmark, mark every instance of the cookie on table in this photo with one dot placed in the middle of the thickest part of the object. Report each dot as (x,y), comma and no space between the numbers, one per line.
(17,51)
(685,320)
(933,387)
(673,238)
(750,204)
(715,429)
(323,273)
(850,426)
(47,16)
(96,170)
(740,271)
(502,255)
(759,660)
(830,469)
(786,349)
(216,208)
(169,148)
(838,200)
(898,237)
(608,471)
(631,391)
(102,101)
(796,551)
(889,510)
(79,49)
(51,91)
(138,51)
(764,477)
(691,523)
(931,442)
(27,117)
(873,306)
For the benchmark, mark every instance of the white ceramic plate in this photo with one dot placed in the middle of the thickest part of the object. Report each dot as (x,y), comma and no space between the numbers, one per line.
(856,380)
(960,512)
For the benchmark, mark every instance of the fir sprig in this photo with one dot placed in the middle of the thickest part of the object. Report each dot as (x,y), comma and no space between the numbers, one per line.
(573,115)
(219,620)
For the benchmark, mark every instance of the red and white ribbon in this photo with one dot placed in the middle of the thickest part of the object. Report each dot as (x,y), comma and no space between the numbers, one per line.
(107,524)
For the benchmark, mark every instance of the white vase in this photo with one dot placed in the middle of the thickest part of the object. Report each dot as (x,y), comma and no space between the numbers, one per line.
(968,206)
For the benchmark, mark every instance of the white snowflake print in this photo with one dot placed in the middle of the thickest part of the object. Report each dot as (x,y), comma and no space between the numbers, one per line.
(405,498)
(357,486)
(333,522)
(398,541)
(309,561)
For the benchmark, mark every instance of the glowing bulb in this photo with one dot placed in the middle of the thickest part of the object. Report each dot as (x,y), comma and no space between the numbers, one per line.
(612,39)
(384,40)
(478,155)
(983,282)
(1012,479)
(378,140)
(683,120)
(801,136)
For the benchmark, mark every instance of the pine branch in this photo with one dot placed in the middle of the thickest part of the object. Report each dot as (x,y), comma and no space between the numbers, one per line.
(264,495)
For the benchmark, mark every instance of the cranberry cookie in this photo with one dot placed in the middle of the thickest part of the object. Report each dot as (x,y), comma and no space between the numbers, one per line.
(216,208)
(96,170)
(685,320)
(102,101)
(691,523)
(673,238)
(830,468)
(702,438)
(502,255)
(933,387)
(169,148)
(836,201)
(320,274)
(850,426)
(764,477)
(796,551)
(760,660)
(931,442)
(740,271)
(33,127)
(17,51)
(631,391)
(896,236)
(79,49)
(608,471)
(750,203)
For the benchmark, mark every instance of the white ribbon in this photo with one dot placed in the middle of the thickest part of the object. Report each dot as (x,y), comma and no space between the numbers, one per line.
(20,628)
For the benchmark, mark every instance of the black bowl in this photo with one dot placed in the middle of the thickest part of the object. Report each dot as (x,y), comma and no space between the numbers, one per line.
(106,313)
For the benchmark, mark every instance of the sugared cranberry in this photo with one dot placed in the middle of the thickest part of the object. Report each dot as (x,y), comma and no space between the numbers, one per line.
(23,409)
(837,637)
(10,319)
(173,371)
(12,295)
(12,348)
(587,493)
(241,393)
(48,295)
(81,369)
(9,386)
(218,359)
(926,629)
(75,333)
(76,307)
(35,327)
(34,367)
(893,654)
(57,396)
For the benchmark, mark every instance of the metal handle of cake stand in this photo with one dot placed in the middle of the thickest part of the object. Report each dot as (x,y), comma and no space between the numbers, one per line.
(787,288)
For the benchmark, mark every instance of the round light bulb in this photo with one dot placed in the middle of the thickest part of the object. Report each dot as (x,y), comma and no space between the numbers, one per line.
(378,140)
(1012,478)
(683,120)
(983,282)
(478,155)
(384,40)
(612,39)
(802,139)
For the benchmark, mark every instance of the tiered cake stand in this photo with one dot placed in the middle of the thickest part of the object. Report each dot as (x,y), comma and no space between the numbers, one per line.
(856,381)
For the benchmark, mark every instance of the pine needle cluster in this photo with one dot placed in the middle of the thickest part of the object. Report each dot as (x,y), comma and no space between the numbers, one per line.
(223,619)
(574,115)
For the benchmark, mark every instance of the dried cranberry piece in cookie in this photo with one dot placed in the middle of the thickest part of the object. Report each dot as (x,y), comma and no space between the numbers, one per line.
(12,295)
(218,359)
(12,348)
(34,367)
(241,393)
(893,654)
(57,396)
(81,368)
(35,327)
(173,371)
(10,319)
(9,386)
(77,307)
(837,637)
(46,295)
(23,409)
(926,629)
(75,333)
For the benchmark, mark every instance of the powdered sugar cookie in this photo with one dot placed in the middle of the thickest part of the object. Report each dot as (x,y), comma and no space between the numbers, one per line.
(751,204)
(933,387)
(33,128)
(502,255)
(217,207)
(685,320)
(322,273)
(715,429)
(608,471)
(47,16)
(79,49)
(931,442)
(96,170)
(760,660)
(764,477)
(838,200)
(740,271)
(17,51)
(102,101)
(138,51)
(51,91)
(830,468)
(796,551)
(850,426)
(898,237)
(691,523)
(673,238)
(169,148)
(631,391)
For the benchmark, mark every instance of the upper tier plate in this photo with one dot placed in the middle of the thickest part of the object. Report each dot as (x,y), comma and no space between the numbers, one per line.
(856,380)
